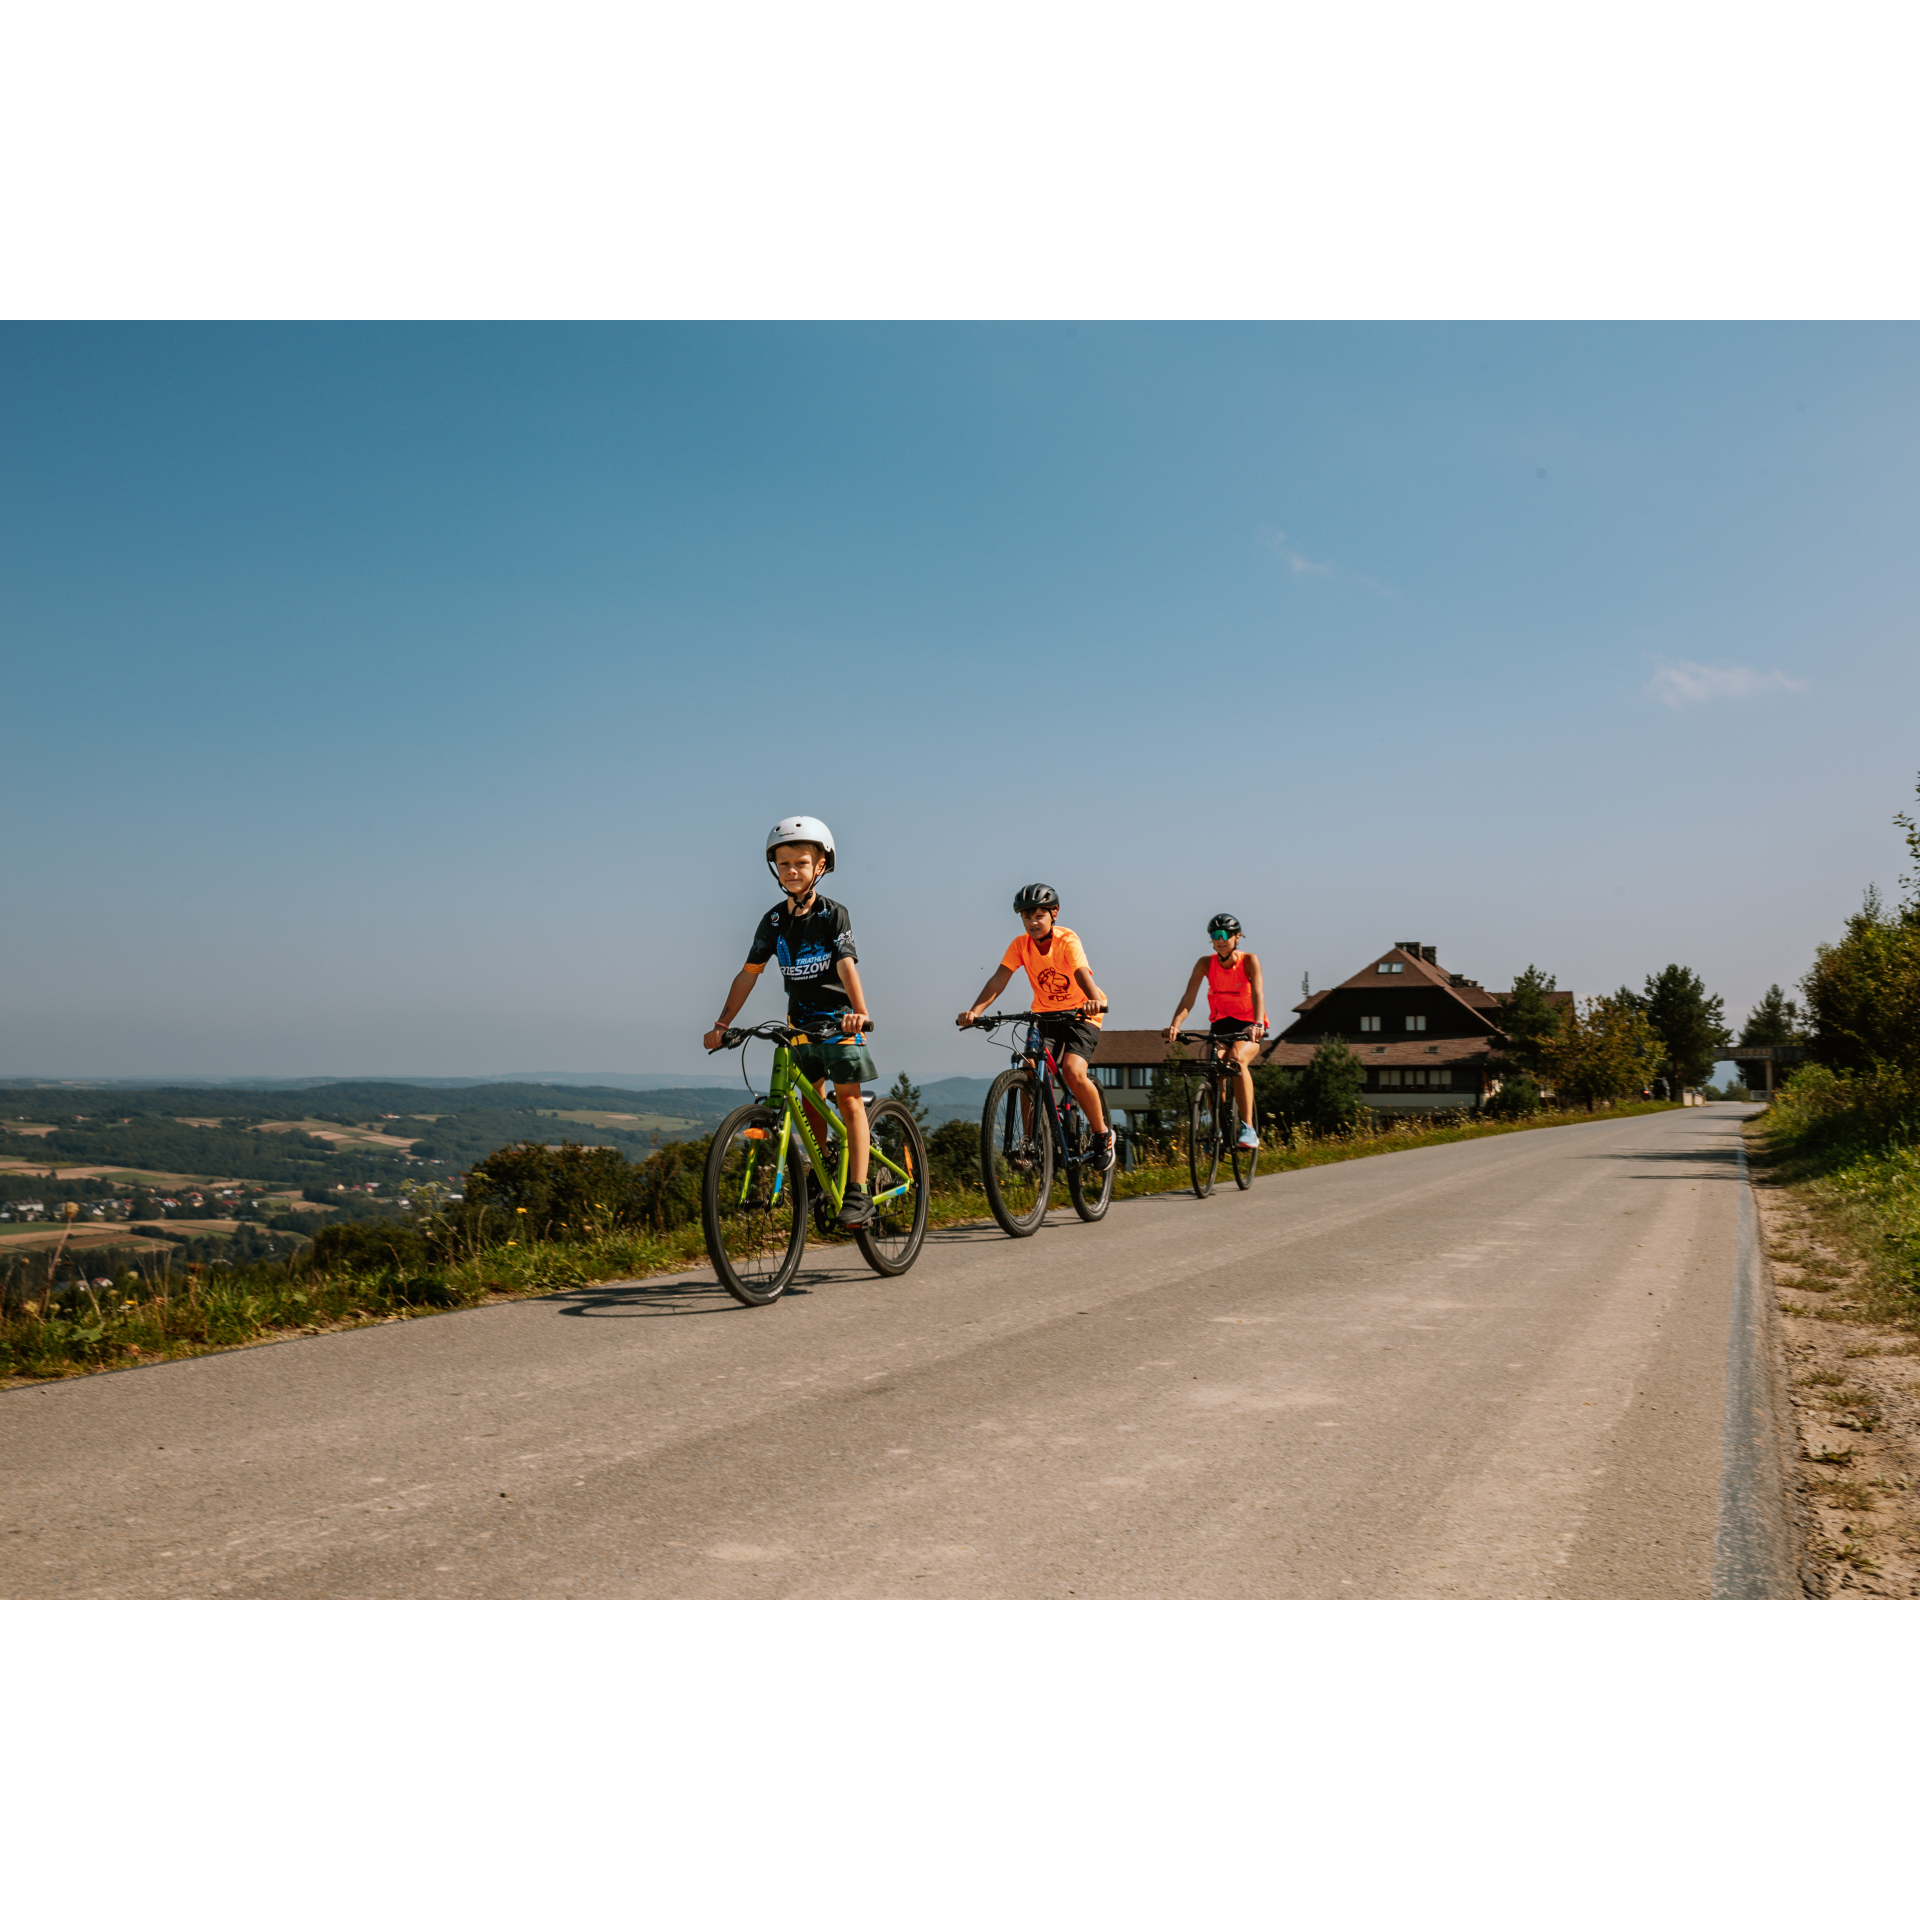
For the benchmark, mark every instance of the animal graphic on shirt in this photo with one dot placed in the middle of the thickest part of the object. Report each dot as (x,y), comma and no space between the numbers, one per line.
(1052,985)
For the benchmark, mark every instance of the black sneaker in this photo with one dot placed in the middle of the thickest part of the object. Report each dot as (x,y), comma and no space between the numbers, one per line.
(1103,1144)
(856,1210)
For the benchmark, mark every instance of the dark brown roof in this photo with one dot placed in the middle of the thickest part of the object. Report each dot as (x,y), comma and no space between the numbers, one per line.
(1416,1052)
(1416,971)
(1131,1047)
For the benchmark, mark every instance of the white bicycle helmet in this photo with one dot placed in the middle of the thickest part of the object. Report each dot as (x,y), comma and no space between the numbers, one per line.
(798,826)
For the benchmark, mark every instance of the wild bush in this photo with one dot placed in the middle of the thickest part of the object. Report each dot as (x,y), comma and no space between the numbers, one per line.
(953,1156)
(367,1246)
(536,1192)
(1515,1100)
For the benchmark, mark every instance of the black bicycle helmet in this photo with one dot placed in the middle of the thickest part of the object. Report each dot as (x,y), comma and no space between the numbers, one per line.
(1032,899)
(1222,923)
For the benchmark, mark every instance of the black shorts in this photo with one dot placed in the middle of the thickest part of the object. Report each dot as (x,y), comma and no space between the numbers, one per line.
(1068,1036)
(1234,1030)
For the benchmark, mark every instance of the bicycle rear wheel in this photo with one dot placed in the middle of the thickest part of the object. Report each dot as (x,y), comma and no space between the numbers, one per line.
(1245,1159)
(1203,1136)
(1016,1152)
(753,1210)
(897,1179)
(1092,1193)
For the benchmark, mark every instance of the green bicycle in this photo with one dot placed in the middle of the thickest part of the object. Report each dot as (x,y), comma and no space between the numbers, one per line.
(768,1168)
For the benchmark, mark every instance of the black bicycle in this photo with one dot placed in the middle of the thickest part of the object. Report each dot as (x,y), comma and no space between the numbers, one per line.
(1213,1113)
(1029,1125)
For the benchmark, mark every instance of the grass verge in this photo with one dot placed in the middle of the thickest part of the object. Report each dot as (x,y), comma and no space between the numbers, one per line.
(76,1329)
(1863,1190)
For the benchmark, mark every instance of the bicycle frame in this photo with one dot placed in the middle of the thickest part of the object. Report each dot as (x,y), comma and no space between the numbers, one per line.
(1217,1064)
(793,1094)
(1056,1094)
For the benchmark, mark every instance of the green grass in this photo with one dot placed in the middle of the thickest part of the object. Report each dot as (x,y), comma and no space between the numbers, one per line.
(155,1314)
(1863,1190)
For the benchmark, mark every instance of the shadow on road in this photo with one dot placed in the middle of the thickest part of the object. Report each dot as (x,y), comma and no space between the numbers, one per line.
(699,1292)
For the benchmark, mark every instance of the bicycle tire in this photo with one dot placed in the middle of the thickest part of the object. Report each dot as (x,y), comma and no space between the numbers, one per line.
(754,1237)
(1090,1192)
(1246,1160)
(892,1244)
(1016,1153)
(1203,1136)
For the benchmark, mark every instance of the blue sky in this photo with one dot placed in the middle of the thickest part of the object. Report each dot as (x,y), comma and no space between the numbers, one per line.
(414,699)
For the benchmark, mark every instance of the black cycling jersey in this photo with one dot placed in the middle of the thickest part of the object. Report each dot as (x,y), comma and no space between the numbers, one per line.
(810,947)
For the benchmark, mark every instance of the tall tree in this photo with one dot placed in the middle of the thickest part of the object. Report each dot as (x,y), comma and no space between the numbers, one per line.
(908,1095)
(1772,1021)
(1332,1085)
(1528,1021)
(1863,992)
(1688,1020)
(1604,1049)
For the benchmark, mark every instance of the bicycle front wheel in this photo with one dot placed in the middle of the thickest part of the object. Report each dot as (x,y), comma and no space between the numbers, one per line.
(753,1208)
(1016,1153)
(1203,1137)
(897,1179)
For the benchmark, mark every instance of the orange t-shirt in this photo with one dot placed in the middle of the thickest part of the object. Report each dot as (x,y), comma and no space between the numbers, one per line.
(1052,972)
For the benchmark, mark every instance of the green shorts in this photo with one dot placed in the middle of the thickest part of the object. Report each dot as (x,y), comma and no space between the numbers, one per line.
(846,1062)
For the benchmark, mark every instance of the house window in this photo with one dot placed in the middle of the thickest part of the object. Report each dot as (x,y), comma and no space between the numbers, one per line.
(1369,1023)
(1391,966)
(1416,1023)
(1389,1076)
(1139,1076)
(1107,1076)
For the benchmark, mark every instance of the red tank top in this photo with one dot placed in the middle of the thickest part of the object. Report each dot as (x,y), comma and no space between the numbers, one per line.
(1229,991)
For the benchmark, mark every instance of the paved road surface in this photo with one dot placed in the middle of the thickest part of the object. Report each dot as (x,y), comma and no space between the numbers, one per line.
(1491,1369)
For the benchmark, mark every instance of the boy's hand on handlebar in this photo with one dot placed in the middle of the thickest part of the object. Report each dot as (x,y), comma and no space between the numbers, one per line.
(714,1038)
(965,1019)
(851,1022)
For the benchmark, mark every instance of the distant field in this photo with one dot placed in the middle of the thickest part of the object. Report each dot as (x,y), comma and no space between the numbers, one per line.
(627,1122)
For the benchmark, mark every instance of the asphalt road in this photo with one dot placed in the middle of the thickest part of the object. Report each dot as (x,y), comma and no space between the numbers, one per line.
(1492,1369)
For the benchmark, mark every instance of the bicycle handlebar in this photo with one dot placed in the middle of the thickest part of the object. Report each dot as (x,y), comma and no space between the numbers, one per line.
(781,1032)
(992,1020)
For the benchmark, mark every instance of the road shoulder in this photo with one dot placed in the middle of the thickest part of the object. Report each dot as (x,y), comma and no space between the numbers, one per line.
(1852,1387)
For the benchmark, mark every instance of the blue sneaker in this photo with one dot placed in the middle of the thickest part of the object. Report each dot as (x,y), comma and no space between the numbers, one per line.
(1249,1138)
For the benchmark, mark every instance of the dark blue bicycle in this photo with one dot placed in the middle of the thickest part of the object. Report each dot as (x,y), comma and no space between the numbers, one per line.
(1029,1126)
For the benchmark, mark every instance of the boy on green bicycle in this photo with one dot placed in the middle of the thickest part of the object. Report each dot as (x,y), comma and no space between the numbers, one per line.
(1056,965)
(813,939)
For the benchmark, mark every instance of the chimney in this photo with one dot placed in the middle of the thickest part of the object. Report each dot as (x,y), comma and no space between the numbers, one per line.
(1418,951)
